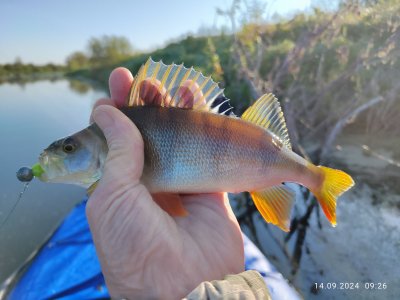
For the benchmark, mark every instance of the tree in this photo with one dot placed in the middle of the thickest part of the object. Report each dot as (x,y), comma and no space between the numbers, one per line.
(325,78)
(77,60)
(108,50)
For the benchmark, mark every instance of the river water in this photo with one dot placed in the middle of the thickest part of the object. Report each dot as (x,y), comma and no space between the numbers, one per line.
(32,116)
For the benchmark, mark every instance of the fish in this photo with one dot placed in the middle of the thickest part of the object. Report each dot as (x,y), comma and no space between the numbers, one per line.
(193,143)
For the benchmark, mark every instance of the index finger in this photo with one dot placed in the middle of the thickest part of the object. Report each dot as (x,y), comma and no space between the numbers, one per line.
(120,82)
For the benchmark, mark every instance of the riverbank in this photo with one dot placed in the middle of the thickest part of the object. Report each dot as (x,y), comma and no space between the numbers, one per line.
(374,160)
(356,259)
(22,78)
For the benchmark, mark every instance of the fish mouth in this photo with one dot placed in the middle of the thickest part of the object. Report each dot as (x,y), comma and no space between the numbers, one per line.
(44,162)
(52,165)
(43,159)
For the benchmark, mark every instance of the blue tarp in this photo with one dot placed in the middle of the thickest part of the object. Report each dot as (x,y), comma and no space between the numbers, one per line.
(67,266)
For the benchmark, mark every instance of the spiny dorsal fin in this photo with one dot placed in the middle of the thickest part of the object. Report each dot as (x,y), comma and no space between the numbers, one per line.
(275,204)
(173,83)
(267,113)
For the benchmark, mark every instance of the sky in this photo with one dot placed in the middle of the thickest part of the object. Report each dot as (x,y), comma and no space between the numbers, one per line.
(46,31)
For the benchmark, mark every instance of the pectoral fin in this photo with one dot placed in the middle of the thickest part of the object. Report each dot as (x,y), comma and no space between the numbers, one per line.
(91,188)
(171,203)
(274,204)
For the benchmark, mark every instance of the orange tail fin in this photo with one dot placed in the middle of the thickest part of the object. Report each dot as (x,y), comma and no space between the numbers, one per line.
(335,183)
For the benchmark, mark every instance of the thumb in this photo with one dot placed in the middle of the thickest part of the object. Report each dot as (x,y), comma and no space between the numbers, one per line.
(125,158)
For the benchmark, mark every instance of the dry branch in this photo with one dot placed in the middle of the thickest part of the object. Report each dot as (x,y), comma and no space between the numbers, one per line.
(341,123)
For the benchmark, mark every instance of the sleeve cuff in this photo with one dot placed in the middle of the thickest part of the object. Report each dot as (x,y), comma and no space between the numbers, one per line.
(246,285)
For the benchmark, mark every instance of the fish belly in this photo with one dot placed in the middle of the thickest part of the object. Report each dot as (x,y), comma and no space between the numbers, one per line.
(189,151)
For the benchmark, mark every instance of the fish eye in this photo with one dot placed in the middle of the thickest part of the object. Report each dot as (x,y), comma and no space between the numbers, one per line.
(69,145)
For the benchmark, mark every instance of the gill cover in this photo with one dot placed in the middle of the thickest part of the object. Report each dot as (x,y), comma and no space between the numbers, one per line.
(77,159)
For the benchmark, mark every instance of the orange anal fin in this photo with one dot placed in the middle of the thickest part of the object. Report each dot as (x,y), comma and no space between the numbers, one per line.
(275,204)
(171,203)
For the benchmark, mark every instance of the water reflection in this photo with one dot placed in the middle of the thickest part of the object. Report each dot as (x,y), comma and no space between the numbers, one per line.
(23,79)
(32,115)
(79,86)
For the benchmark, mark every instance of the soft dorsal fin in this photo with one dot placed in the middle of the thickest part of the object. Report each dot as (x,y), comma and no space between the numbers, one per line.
(274,204)
(176,86)
(267,113)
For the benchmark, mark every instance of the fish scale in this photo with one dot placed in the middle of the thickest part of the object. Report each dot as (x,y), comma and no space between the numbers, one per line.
(194,144)
(194,151)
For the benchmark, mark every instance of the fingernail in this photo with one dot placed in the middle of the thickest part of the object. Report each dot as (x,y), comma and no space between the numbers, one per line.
(102,117)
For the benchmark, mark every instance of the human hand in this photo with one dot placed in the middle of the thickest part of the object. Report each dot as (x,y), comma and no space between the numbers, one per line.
(144,252)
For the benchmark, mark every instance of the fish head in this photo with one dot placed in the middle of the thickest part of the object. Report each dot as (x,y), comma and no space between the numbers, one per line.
(76,159)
